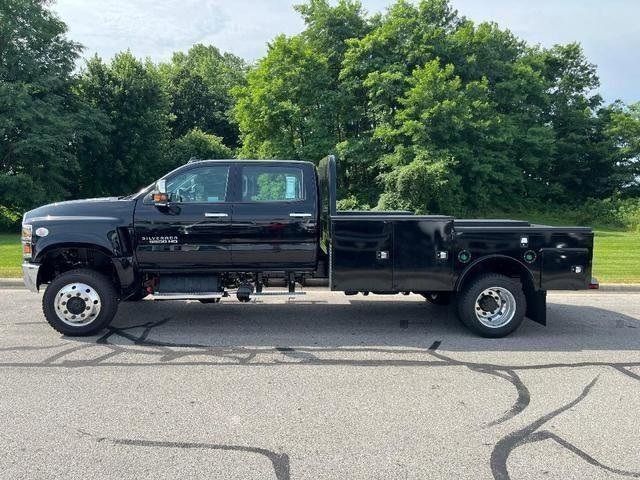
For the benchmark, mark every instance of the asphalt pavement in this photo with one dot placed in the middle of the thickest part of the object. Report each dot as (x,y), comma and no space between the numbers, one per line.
(322,387)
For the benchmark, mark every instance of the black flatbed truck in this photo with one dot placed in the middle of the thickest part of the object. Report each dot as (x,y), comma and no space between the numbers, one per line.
(216,227)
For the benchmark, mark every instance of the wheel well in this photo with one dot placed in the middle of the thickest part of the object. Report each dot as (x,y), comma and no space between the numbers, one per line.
(63,259)
(501,265)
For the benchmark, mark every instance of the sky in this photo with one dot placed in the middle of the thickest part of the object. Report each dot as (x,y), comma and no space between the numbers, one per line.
(609,30)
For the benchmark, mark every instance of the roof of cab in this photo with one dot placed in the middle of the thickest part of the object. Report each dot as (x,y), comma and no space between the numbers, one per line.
(248,160)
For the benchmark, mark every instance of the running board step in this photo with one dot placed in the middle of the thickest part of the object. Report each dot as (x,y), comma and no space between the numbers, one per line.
(284,293)
(187,296)
(214,295)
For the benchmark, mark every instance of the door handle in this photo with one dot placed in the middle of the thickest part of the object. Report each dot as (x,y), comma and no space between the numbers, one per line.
(216,215)
(300,215)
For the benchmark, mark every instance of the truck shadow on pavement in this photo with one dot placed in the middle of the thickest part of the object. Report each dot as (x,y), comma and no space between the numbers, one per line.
(371,323)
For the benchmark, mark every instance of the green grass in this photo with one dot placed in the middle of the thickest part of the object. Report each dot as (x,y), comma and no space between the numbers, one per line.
(616,257)
(10,255)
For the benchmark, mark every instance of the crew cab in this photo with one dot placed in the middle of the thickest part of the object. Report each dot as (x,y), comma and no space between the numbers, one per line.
(214,228)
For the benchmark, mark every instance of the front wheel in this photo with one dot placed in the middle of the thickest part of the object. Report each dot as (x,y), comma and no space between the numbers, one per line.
(492,305)
(80,302)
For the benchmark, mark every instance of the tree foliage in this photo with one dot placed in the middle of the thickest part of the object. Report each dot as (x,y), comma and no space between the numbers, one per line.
(130,95)
(38,113)
(199,83)
(197,144)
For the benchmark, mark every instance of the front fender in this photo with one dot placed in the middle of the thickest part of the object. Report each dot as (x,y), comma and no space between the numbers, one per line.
(101,233)
(104,236)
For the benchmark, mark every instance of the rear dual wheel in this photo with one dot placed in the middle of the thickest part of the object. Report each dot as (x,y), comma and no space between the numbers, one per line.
(492,305)
(80,302)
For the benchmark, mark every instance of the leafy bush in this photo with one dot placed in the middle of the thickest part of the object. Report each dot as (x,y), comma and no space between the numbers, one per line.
(9,220)
(352,203)
(198,144)
(629,213)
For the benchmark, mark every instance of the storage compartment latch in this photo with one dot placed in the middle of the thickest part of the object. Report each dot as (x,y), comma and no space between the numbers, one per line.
(382,255)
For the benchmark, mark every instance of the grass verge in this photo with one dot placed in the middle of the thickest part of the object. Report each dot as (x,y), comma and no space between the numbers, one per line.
(616,257)
(10,255)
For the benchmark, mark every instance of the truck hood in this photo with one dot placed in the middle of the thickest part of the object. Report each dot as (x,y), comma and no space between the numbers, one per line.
(114,209)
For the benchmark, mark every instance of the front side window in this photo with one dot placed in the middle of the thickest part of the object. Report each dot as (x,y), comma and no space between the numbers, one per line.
(272,184)
(200,185)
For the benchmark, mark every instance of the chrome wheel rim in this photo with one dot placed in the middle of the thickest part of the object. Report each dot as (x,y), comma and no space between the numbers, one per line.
(77,304)
(495,307)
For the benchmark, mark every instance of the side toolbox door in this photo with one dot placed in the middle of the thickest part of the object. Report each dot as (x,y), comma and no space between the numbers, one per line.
(565,268)
(422,254)
(361,255)
(275,220)
(193,232)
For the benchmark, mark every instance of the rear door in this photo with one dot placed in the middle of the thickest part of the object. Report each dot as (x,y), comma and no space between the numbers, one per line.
(193,232)
(275,219)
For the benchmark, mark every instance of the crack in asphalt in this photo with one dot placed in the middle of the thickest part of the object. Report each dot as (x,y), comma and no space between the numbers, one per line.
(547,435)
(522,401)
(528,434)
(279,461)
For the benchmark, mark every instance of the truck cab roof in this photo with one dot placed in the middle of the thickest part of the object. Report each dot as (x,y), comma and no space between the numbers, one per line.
(249,160)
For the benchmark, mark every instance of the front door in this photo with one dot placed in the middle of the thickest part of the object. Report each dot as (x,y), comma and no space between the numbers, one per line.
(193,231)
(275,219)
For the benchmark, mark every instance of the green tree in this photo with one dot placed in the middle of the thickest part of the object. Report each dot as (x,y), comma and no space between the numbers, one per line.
(199,83)
(130,94)
(197,144)
(519,122)
(286,108)
(622,133)
(38,114)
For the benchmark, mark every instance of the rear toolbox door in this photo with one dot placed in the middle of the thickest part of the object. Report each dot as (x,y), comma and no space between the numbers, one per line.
(565,268)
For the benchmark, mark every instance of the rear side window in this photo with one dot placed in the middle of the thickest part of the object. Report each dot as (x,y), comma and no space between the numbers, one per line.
(272,184)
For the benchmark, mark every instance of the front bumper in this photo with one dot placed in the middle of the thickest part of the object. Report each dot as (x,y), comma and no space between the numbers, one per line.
(30,276)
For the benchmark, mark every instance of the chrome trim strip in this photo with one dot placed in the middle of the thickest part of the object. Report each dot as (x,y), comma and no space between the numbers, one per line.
(30,276)
(67,218)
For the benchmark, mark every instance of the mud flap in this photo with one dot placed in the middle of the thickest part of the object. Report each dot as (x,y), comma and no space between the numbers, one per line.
(537,306)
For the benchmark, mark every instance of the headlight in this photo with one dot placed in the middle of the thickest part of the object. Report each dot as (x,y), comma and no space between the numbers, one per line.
(27,236)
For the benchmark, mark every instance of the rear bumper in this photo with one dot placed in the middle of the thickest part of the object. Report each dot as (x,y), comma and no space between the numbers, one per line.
(594,284)
(30,276)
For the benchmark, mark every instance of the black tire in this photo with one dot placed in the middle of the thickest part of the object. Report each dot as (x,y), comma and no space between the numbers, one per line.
(102,288)
(472,292)
(438,298)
